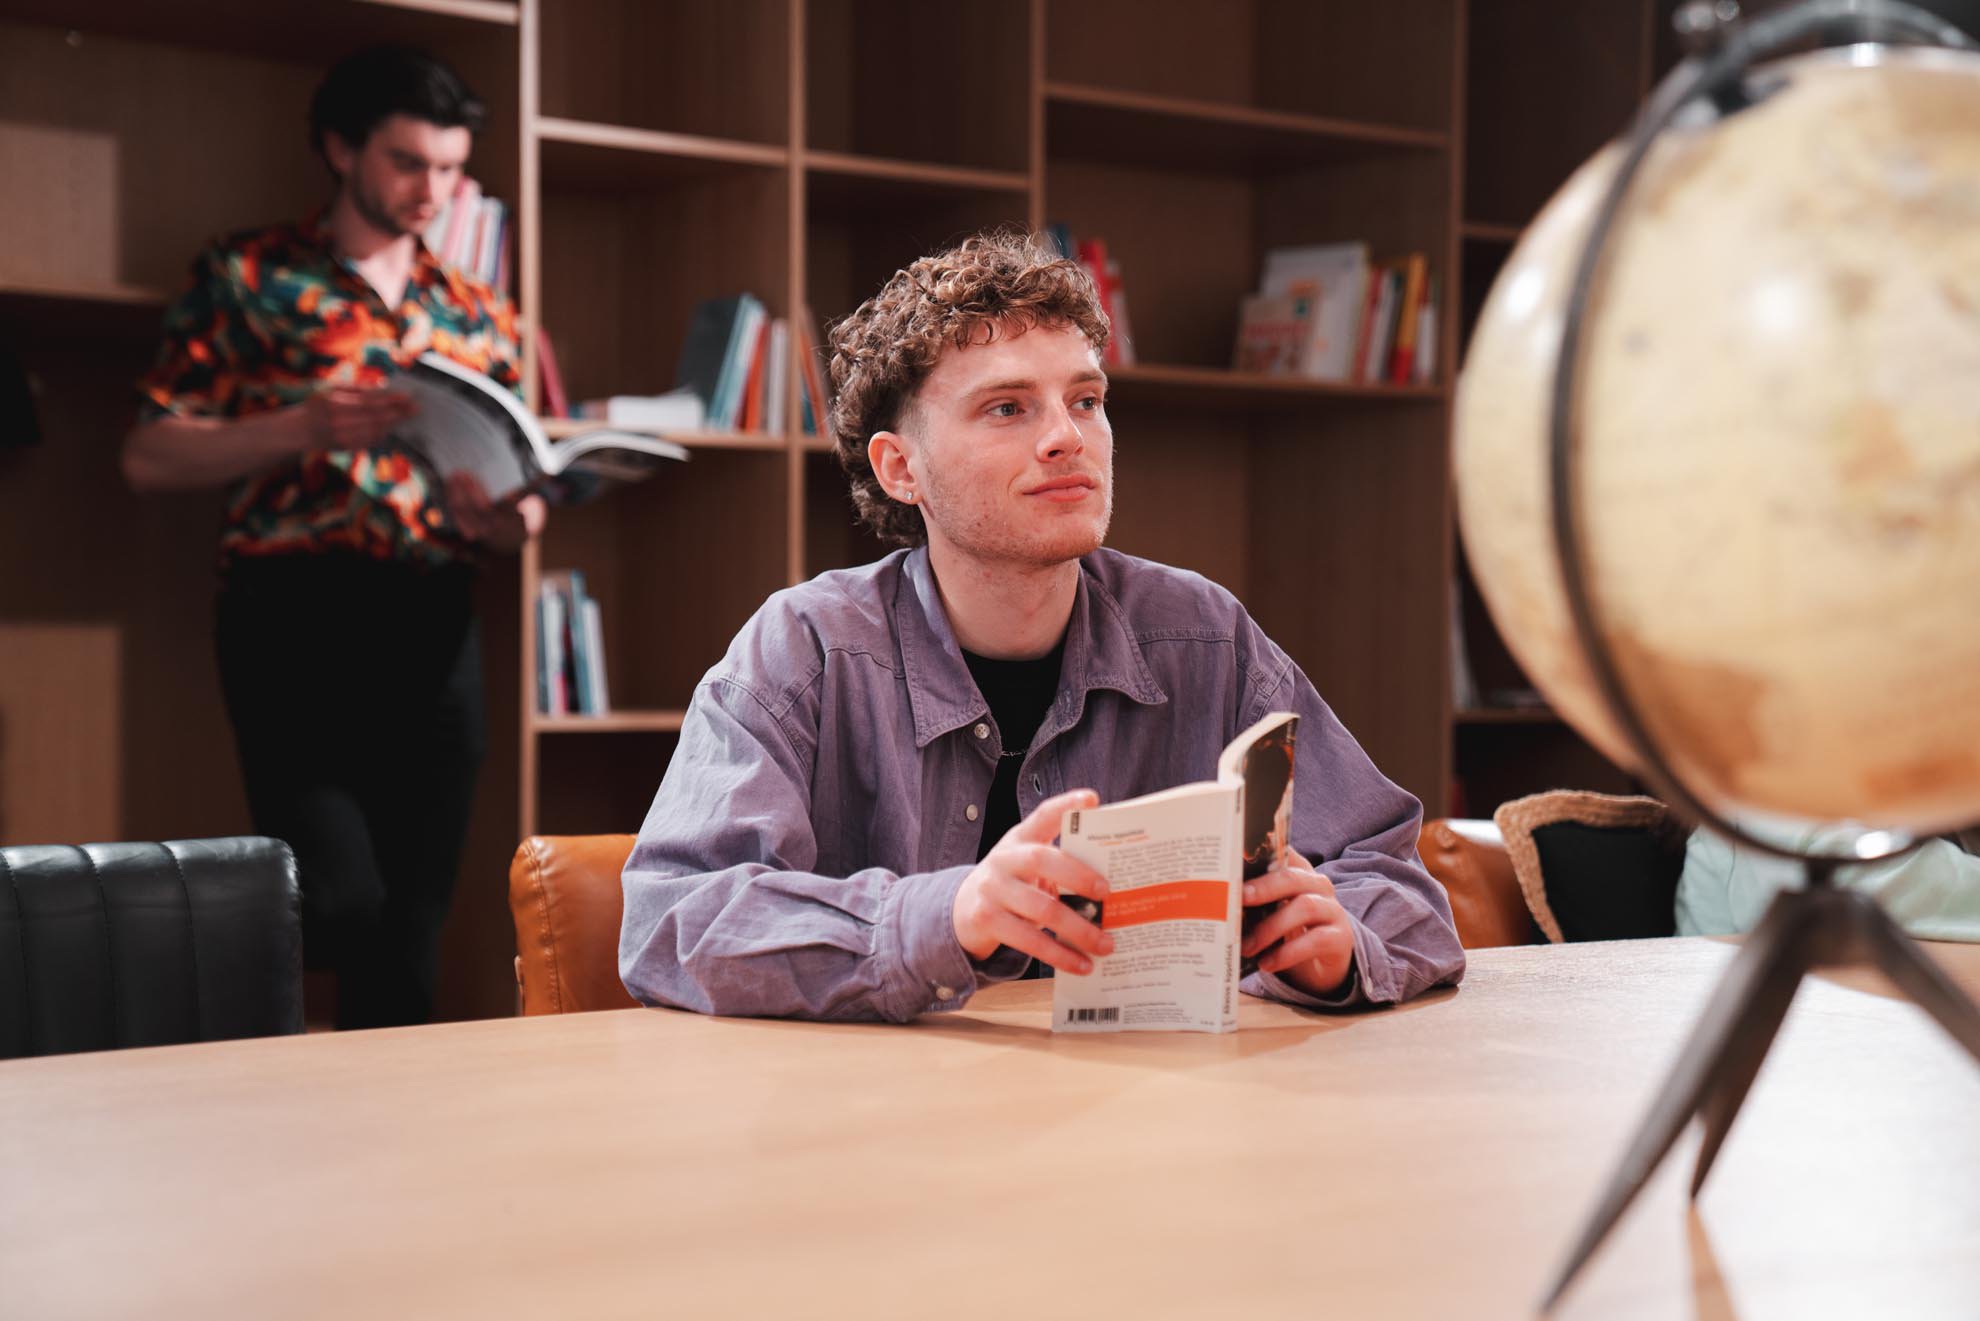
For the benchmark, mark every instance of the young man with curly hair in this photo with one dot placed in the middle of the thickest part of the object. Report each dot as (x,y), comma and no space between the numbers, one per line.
(859,820)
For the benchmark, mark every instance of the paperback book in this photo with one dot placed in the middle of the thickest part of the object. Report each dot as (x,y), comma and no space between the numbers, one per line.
(1175,864)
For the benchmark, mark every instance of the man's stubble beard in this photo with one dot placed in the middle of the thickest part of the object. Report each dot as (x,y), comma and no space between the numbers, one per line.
(372,211)
(985,541)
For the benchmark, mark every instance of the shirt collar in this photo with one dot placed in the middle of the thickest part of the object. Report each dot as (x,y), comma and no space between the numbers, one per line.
(1101,652)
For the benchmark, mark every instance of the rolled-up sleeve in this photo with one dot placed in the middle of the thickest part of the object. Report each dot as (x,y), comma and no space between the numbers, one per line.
(724,914)
(1360,829)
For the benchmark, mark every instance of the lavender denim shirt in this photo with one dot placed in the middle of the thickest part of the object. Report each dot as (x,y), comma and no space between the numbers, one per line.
(803,854)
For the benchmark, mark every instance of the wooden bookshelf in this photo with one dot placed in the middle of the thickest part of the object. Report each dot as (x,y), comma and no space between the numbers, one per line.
(659,154)
(1547,82)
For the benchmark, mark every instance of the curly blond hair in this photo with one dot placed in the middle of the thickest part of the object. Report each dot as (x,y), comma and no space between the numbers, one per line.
(999,281)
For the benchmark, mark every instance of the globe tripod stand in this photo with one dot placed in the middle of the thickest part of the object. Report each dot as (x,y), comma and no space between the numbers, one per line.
(1803,931)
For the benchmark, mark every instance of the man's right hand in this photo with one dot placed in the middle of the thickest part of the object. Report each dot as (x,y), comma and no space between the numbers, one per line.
(347,418)
(1012,896)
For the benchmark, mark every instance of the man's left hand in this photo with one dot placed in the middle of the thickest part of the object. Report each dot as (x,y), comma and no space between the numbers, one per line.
(1309,938)
(505,525)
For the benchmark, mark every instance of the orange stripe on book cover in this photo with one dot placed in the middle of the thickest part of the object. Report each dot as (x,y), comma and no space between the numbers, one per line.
(1168,902)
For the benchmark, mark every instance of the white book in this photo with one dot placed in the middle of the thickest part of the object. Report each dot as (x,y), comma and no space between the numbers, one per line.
(467,423)
(1117,314)
(553,647)
(1336,276)
(1426,343)
(436,229)
(490,234)
(677,410)
(594,656)
(1175,864)
(777,385)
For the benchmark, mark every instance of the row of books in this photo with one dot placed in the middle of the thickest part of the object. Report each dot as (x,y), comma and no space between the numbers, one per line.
(570,648)
(733,375)
(1105,272)
(471,234)
(1329,313)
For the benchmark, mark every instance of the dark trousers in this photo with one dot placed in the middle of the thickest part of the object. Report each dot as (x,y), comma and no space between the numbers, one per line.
(355,692)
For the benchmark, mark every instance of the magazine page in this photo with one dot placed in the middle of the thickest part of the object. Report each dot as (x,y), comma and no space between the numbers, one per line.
(1171,863)
(455,428)
(1261,760)
(468,423)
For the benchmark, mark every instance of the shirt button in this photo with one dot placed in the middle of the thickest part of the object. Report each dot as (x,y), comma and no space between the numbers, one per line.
(970,812)
(945,993)
(981,731)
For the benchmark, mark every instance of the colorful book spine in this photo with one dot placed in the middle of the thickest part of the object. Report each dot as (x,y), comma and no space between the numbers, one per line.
(580,658)
(550,603)
(556,403)
(1402,359)
(594,657)
(816,407)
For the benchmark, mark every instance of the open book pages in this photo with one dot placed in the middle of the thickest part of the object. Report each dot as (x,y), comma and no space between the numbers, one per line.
(1175,862)
(467,423)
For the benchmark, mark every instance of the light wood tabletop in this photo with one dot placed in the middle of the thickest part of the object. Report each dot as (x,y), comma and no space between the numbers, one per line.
(1432,1161)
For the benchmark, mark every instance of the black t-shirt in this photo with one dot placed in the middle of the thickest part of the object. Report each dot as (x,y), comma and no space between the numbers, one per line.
(1019,692)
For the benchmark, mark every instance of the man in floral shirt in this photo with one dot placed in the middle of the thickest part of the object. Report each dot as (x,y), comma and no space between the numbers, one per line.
(345,632)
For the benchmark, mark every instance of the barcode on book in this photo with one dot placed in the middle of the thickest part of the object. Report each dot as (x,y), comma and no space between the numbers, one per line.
(1109,1015)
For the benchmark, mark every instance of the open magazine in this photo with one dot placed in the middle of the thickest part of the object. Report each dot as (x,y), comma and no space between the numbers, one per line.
(468,423)
(1175,864)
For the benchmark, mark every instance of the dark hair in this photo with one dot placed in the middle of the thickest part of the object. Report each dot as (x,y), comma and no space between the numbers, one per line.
(364,89)
(1001,281)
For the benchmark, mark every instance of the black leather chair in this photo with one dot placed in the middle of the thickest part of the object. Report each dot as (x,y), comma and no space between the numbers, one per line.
(112,945)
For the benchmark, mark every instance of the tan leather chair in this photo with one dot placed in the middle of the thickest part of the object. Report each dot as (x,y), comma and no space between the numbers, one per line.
(1470,860)
(565,896)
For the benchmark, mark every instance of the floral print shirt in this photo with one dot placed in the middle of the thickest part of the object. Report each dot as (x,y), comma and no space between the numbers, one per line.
(272,316)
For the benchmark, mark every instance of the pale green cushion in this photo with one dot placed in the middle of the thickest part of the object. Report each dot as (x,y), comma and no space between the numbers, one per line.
(1933,891)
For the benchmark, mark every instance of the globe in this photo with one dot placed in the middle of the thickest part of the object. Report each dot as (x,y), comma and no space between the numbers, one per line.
(1779,445)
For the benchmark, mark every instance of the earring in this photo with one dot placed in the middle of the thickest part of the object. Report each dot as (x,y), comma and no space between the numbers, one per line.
(908,496)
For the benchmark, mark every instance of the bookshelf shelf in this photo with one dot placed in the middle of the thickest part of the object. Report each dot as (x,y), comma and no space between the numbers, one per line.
(614,158)
(122,311)
(119,295)
(849,166)
(501,12)
(1103,124)
(842,185)
(1207,386)
(618,722)
(557,428)
(1506,715)
(1483,231)
(286,32)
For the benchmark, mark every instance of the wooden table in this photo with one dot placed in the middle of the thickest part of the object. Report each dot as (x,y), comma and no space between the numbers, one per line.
(1432,1161)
